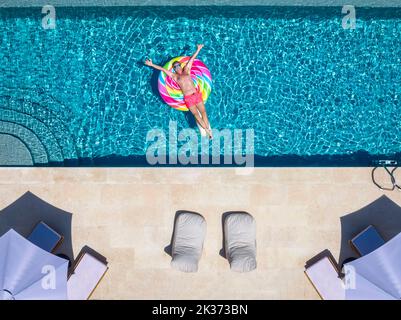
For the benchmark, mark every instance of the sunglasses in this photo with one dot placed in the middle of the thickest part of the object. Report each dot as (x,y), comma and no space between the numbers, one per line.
(392,184)
(176,65)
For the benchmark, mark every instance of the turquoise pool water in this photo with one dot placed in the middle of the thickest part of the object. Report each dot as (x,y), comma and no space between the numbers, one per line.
(314,93)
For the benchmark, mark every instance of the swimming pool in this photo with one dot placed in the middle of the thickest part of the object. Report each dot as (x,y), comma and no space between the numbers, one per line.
(314,93)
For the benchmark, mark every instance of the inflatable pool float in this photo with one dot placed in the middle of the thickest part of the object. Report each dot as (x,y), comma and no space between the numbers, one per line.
(171,92)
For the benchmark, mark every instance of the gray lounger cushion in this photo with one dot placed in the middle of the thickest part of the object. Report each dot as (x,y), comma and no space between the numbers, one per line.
(187,243)
(240,241)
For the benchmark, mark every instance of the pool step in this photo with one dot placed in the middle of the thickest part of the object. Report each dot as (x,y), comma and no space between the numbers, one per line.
(14,152)
(27,110)
(42,113)
(31,141)
(37,128)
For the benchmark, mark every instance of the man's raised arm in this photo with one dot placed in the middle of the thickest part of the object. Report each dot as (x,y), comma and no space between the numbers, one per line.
(188,66)
(149,63)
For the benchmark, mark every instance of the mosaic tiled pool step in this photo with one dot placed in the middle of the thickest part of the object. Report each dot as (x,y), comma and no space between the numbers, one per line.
(42,132)
(48,127)
(13,152)
(31,141)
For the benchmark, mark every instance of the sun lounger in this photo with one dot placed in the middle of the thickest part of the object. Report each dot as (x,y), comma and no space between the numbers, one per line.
(187,242)
(240,241)
(87,274)
(324,276)
(45,237)
(367,241)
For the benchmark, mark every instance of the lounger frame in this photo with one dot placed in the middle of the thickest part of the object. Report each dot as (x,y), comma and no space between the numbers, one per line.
(76,263)
(324,254)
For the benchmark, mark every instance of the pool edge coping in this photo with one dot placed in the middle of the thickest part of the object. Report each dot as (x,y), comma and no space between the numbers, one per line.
(232,3)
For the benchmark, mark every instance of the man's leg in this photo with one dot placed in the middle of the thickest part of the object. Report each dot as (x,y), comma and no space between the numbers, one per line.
(198,118)
(201,107)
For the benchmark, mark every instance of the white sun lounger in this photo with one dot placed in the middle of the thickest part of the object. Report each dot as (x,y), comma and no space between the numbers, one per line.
(240,241)
(187,241)
(323,274)
(87,274)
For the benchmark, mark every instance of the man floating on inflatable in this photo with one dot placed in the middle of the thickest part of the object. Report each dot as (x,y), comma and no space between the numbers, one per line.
(192,95)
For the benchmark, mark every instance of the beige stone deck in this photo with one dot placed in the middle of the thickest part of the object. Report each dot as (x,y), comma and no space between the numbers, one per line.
(127,215)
